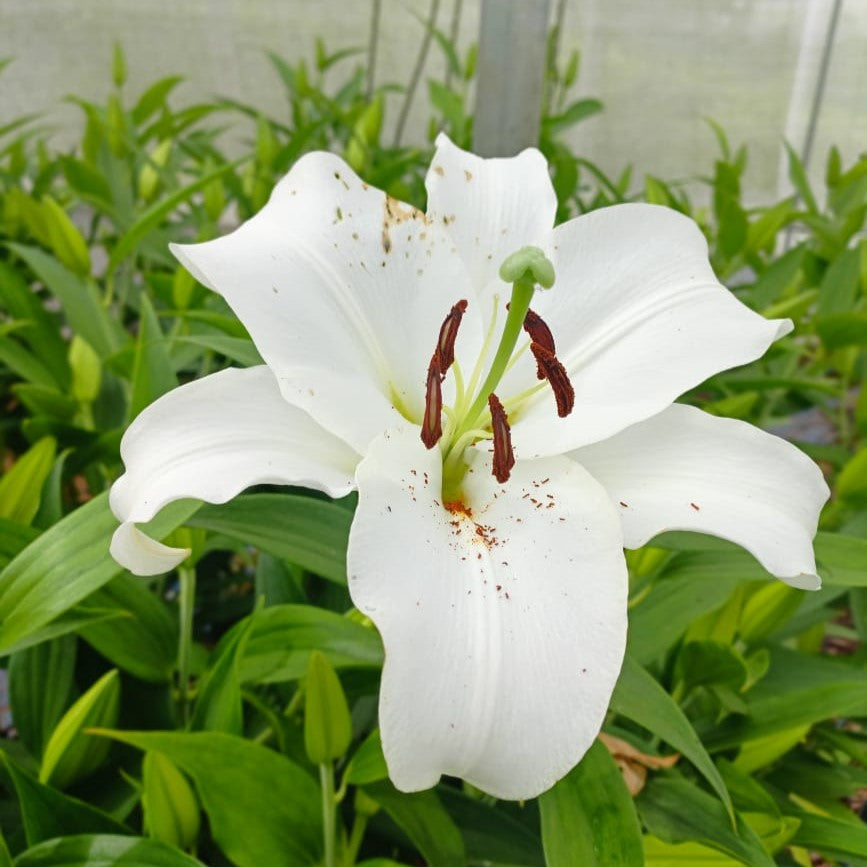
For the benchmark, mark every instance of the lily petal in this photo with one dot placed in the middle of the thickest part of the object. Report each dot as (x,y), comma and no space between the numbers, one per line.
(504,625)
(490,207)
(343,290)
(686,470)
(639,318)
(209,440)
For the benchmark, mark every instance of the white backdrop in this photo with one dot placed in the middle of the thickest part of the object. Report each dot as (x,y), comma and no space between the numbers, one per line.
(660,66)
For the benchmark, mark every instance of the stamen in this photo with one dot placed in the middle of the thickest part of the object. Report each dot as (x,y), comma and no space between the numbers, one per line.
(539,333)
(448,335)
(431,426)
(556,374)
(504,458)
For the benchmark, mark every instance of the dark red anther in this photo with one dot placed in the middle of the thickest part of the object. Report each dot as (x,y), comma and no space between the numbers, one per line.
(432,426)
(539,333)
(448,334)
(504,457)
(556,374)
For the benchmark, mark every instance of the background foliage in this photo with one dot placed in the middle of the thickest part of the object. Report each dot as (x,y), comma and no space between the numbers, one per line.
(223,714)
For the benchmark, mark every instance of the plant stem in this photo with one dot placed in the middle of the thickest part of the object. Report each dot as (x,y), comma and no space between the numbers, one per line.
(356,836)
(453,37)
(372,45)
(430,26)
(186,602)
(329,813)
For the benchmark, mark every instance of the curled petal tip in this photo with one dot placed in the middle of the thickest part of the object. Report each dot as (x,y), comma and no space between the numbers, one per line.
(142,555)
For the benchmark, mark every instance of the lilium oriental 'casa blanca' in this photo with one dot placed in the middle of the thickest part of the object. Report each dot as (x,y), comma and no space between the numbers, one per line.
(500,392)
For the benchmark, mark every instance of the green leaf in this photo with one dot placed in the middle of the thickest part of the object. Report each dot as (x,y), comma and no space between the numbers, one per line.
(22,362)
(762,751)
(104,850)
(37,711)
(851,483)
(693,583)
(263,808)
(747,793)
(839,288)
(118,66)
(65,564)
(367,764)
(14,538)
(798,176)
(767,608)
(309,532)
(154,98)
(834,838)
(71,623)
(798,690)
(843,329)
(421,817)
(640,698)
(841,559)
(21,486)
(660,854)
(676,812)
(154,215)
(780,276)
(47,813)
(79,299)
(219,705)
(70,754)
(588,818)
(579,110)
(152,372)
(283,636)
(143,638)
(491,834)
(703,663)
(241,350)
(327,724)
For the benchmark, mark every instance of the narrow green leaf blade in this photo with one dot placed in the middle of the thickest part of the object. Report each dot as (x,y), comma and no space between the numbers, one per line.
(65,564)
(309,532)
(104,850)
(588,818)
(230,775)
(47,813)
(421,817)
(639,697)
(676,812)
(21,487)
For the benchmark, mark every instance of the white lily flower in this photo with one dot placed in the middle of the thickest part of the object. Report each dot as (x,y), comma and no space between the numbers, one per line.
(495,576)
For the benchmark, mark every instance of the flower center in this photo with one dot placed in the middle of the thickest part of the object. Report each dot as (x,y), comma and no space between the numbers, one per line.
(477,413)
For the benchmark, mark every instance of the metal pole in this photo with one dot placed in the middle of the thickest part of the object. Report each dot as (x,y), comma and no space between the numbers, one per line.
(512,47)
(822,78)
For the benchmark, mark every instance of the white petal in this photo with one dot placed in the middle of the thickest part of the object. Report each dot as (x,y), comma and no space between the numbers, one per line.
(343,291)
(686,470)
(638,317)
(491,207)
(143,555)
(209,440)
(503,632)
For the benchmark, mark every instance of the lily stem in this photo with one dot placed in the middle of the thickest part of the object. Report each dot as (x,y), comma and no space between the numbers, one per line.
(186,602)
(329,813)
(356,836)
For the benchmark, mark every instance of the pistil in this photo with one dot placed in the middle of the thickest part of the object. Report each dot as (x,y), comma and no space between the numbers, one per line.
(478,413)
